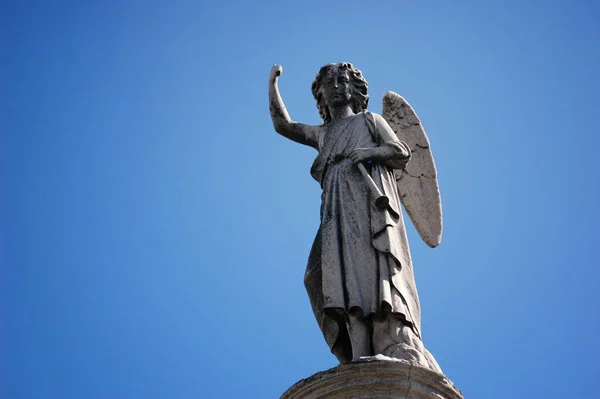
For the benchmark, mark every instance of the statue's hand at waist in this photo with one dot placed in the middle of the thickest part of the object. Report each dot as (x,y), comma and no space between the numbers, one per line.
(377,154)
(362,154)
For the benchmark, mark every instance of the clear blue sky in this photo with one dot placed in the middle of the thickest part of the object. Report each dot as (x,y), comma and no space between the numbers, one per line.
(154,229)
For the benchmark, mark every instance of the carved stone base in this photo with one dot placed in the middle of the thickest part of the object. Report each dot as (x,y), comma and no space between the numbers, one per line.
(374,379)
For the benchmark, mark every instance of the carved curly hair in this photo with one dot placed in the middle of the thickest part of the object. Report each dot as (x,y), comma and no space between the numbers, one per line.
(360,98)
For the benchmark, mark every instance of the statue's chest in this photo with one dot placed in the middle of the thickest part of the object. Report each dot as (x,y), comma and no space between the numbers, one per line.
(342,138)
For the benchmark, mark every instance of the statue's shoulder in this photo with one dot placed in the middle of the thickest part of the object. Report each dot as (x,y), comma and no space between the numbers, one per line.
(314,135)
(373,121)
(318,130)
(377,117)
(373,116)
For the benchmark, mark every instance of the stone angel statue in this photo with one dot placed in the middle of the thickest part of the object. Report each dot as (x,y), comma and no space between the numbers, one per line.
(360,276)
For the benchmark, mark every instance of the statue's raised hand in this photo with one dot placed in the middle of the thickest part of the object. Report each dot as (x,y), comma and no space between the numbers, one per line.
(275,72)
(283,124)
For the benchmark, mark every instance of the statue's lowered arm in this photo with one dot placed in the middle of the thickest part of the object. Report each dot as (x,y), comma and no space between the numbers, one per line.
(283,124)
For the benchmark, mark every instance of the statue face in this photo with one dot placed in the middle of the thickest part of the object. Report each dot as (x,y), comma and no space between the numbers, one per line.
(337,89)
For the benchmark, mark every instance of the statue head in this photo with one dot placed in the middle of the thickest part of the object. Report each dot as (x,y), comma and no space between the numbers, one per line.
(343,73)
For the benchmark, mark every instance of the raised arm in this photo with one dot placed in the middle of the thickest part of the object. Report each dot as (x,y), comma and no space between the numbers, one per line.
(283,124)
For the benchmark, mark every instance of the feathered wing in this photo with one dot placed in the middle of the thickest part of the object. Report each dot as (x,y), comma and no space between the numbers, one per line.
(417,183)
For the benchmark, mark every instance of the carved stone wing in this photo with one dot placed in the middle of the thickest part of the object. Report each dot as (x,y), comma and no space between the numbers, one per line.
(417,183)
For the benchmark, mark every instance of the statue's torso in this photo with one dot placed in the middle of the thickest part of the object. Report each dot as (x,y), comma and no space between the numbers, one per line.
(337,140)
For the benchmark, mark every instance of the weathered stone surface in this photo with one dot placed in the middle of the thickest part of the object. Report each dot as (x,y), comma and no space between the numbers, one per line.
(374,379)
(359,276)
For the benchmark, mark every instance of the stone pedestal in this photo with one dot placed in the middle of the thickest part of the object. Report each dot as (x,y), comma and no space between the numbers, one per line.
(374,379)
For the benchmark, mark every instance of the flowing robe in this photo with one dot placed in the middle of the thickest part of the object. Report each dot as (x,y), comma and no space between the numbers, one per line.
(360,259)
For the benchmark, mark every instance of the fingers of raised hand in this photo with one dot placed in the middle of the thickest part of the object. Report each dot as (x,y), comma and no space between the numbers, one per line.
(276,70)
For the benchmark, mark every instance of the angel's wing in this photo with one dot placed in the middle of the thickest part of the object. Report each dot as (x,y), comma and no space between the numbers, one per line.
(417,183)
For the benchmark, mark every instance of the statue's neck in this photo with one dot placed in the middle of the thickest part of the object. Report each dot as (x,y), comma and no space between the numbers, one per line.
(339,113)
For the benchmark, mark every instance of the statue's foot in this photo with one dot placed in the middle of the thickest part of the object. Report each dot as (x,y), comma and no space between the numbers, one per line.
(372,358)
(396,341)
(408,354)
(403,353)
